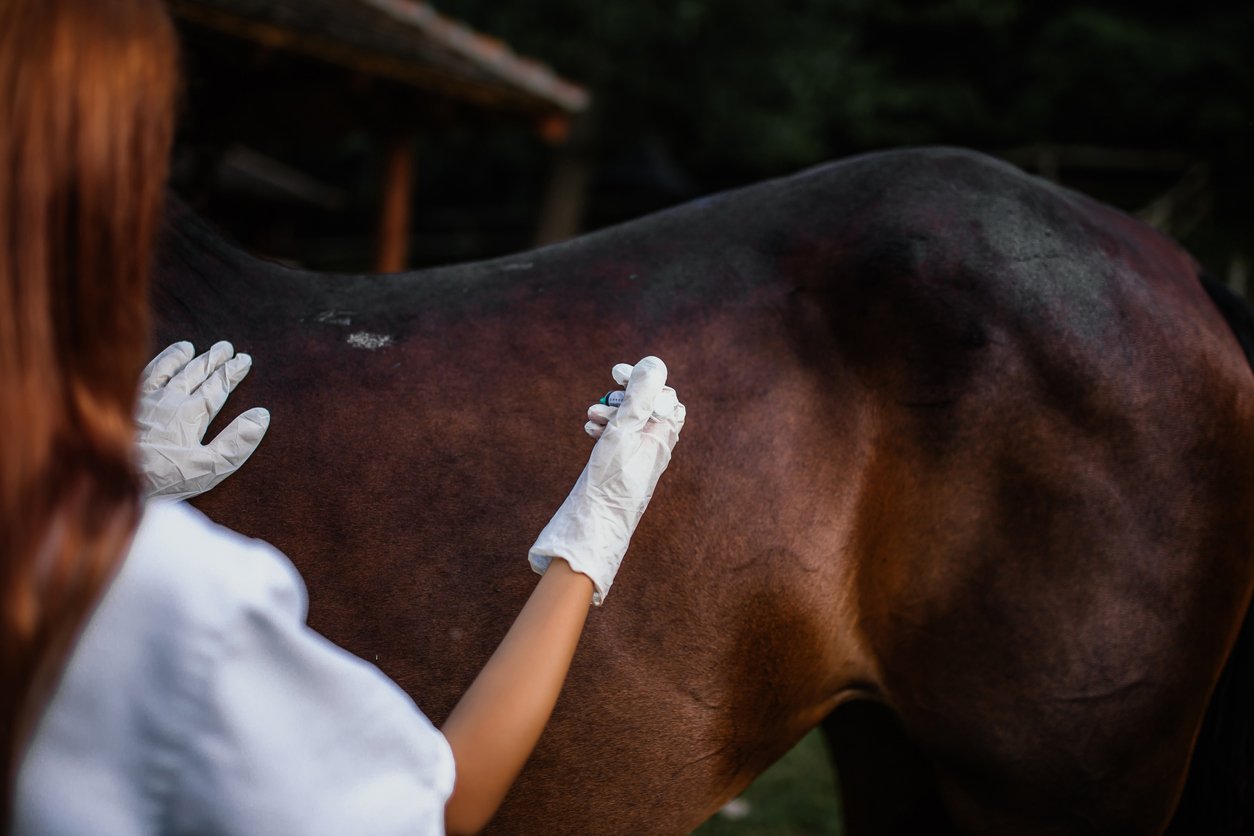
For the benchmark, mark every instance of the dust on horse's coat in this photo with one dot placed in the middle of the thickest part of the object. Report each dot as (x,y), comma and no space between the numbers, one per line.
(969,457)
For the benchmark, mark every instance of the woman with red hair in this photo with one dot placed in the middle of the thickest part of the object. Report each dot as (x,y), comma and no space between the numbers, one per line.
(156,672)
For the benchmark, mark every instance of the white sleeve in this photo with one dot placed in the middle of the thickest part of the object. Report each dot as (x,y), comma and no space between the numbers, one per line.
(288,733)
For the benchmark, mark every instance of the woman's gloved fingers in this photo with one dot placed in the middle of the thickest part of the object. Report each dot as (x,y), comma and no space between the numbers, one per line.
(600,413)
(666,430)
(648,377)
(181,395)
(164,366)
(621,373)
(241,437)
(666,402)
(201,367)
(213,394)
(598,416)
(237,369)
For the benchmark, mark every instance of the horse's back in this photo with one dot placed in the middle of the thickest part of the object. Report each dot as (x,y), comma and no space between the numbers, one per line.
(425,424)
(961,442)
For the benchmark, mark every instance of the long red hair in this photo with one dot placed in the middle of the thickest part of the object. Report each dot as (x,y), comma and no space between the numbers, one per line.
(86,109)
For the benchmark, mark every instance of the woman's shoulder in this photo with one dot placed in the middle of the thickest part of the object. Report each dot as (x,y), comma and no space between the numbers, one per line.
(197,700)
(183,563)
(129,694)
(273,722)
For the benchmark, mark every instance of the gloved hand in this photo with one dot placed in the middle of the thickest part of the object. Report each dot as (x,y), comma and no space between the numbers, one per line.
(600,413)
(592,528)
(178,397)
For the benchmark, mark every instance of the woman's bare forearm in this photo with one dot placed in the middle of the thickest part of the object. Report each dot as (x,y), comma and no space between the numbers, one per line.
(497,723)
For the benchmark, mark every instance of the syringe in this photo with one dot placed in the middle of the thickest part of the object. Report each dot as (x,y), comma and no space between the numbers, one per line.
(662,407)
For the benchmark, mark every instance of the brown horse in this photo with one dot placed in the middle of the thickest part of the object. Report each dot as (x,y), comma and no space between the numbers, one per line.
(967,479)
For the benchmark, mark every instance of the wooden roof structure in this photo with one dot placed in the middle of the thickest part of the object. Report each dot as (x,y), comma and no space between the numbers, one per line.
(404,41)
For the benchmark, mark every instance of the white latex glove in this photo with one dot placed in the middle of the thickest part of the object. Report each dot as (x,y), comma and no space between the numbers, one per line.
(592,528)
(179,395)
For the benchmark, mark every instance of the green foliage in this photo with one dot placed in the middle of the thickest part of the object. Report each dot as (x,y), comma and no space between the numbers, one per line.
(795,797)
(743,90)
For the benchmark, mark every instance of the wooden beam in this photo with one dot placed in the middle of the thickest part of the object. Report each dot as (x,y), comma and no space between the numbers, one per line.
(457,78)
(398,193)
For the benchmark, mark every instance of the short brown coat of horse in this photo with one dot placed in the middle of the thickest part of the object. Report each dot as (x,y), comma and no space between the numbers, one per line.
(961,444)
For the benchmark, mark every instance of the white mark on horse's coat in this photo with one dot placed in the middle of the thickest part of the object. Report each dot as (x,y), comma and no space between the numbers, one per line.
(371,342)
(519,265)
(335,318)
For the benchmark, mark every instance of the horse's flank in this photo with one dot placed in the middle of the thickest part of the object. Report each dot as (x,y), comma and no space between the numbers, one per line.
(961,443)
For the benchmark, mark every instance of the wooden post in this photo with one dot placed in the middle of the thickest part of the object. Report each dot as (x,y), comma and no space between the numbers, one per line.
(398,193)
(561,215)
(1239,276)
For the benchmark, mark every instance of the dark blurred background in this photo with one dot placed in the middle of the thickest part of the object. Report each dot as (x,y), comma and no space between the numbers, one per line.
(387,134)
